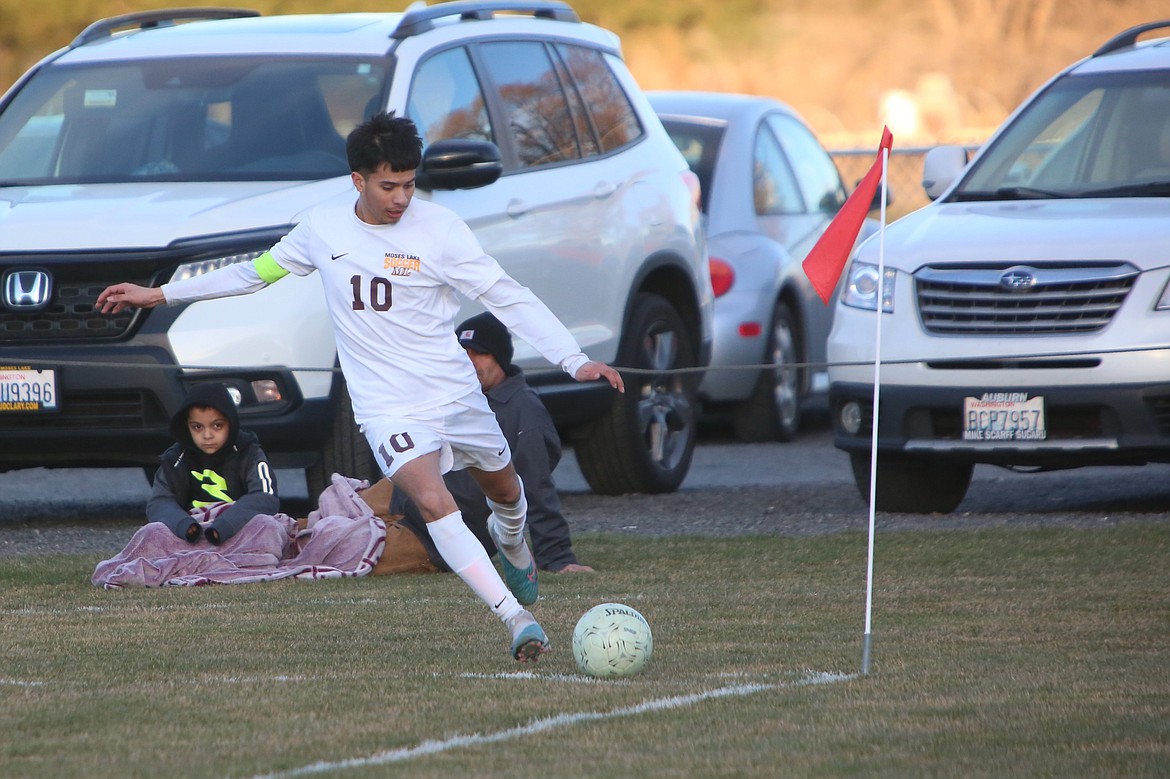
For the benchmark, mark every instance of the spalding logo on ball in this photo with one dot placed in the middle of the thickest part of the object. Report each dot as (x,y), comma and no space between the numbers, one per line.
(612,639)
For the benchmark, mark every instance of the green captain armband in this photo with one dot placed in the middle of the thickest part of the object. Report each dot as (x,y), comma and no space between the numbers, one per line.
(268,269)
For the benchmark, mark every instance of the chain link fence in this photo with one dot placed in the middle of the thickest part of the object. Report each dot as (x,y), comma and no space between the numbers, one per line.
(905,175)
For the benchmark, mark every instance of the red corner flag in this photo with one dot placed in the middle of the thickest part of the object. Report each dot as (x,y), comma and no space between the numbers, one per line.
(828,256)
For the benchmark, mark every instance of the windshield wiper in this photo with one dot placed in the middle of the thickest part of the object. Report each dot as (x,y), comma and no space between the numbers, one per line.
(1145,189)
(1011,193)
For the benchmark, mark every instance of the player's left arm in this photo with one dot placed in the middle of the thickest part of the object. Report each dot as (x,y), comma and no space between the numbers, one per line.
(593,370)
(528,317)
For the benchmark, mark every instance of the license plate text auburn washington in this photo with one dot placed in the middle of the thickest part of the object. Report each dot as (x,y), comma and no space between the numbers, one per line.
(1003,416)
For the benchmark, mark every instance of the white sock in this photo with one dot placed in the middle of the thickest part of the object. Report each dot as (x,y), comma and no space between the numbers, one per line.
(509,521)
(465,555)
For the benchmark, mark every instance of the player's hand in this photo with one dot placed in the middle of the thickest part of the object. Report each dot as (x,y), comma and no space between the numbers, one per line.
(118,297)
(593,370)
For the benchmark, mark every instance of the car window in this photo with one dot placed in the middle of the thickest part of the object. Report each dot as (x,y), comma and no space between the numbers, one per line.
(816,173)
(613,115)
(193,119)
(539,120)
(446,100)
(1084,136)
(699,144)
(774,188)
(582,122)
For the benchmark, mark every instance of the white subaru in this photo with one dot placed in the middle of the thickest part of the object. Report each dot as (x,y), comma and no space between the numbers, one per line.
(1026,310)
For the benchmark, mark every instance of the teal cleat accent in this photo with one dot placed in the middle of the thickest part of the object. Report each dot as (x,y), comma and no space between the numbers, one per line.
(521,581)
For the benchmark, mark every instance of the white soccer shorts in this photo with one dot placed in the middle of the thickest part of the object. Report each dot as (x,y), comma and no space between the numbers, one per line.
(465,432)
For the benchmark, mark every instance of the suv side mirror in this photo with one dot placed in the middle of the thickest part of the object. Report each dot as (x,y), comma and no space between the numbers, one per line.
(458,163)
(941,166)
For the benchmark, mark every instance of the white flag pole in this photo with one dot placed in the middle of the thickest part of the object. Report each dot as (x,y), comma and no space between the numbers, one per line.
(867,641)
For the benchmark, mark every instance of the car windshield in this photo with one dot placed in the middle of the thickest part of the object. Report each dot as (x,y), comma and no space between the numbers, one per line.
(186,119)
(1085,136)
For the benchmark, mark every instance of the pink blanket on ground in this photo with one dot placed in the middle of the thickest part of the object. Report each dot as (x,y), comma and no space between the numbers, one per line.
(341,538)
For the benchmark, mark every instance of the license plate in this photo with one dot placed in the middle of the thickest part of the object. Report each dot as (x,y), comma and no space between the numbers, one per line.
(24,388)
(1004,416)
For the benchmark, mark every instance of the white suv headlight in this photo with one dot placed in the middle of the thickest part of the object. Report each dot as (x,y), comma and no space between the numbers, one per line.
(199,267)
(861,287)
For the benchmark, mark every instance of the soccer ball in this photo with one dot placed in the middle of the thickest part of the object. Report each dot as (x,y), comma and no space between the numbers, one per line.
(612,639)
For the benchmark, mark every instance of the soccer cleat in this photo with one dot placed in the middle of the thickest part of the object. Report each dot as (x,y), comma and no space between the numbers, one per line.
(521,581)
(528,639)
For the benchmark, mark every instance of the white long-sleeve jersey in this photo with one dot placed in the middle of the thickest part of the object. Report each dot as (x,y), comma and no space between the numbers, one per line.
(392,293)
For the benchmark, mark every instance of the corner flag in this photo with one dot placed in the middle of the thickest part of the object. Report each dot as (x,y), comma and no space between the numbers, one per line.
(828,256)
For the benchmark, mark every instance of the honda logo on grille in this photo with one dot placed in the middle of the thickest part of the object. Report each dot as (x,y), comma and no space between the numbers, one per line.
(1017,279)
(27,290)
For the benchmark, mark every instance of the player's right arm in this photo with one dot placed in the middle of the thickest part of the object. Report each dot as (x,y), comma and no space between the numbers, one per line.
(239,279)
(116,297)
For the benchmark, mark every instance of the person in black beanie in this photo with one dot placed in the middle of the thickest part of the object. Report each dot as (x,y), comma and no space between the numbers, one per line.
(211,462)
(536,450)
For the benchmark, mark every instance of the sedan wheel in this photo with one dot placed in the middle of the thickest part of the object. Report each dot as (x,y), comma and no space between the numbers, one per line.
(772,413)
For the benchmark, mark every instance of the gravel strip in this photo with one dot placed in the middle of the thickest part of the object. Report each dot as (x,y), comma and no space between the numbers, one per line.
(800,489)
(789,510)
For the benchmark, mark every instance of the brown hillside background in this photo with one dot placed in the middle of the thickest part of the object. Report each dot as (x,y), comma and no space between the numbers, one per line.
(934,70)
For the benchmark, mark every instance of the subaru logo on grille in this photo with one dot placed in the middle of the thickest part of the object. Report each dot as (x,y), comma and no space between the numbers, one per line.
(1017,279)
(27,290)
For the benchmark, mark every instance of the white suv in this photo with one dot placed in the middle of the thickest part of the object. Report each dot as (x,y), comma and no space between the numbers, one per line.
(1027,309)
(166,143)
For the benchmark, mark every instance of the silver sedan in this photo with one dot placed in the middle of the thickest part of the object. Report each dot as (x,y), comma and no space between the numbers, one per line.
(769,189)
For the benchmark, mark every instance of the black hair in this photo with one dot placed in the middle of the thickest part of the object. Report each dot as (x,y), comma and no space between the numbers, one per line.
(384,139)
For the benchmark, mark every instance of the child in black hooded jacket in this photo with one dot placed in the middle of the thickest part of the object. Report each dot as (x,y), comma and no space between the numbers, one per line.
(211,462)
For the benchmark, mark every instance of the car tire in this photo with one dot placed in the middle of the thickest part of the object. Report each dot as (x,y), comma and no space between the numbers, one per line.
(912,485)
(772,413)
(345,452)
(645,442)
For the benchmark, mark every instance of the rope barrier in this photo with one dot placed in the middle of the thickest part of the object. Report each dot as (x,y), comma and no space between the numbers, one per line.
(33,362)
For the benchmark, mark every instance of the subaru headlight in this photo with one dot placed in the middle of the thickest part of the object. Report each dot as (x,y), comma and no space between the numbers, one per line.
(861,287)
(199,267)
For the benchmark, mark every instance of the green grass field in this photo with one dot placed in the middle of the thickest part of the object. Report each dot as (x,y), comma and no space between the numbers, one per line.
(995,653)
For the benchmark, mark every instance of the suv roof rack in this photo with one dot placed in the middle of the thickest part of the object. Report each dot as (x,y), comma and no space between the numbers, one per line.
(1129,37)
(419,20)
(163,17)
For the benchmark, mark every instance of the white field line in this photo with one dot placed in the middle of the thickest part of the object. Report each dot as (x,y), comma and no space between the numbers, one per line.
(550,723)
(528,675)
(201,682)
(131,608)
(570,678)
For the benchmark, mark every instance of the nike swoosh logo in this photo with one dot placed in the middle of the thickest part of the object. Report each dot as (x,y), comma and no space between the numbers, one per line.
(501,603)
(338,256)
(500,453)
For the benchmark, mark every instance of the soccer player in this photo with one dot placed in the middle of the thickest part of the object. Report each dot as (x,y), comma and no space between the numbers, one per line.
(391,268)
